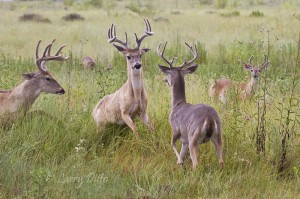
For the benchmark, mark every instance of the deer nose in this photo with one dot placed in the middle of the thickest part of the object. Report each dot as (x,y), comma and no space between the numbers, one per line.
(137,66)
(60,92)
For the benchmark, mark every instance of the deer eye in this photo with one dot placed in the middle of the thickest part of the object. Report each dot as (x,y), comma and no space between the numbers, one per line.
(48,78)
(129,57)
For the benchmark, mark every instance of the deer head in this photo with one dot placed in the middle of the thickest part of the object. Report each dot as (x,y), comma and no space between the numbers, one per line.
(256,70)
(43,80)
(173,73)
(133,55)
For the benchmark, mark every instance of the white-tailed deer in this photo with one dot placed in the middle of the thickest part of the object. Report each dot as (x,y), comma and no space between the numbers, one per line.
(221,87)
(21,98)
(192,124)
(131,99)
(88,63)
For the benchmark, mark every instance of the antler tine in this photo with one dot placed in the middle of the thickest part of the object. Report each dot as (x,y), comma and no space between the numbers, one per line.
(37,50)
(250,60)
(112,36)
(194,52)
(265,61)
(41,61)
(161,55)
(148,32)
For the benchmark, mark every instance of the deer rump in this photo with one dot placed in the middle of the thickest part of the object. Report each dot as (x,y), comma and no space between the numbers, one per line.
(189,119)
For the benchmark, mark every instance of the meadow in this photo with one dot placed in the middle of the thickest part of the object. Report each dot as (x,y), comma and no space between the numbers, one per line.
(64,156)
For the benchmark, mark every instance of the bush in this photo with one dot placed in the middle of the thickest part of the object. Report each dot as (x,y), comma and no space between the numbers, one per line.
(231,14)
(256,14)
(34,17)
(73,17)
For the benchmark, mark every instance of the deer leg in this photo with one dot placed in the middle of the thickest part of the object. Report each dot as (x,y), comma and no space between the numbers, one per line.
(127,119)
(193,150)
(145,120)
(175,137)
(218,145)
(183,150)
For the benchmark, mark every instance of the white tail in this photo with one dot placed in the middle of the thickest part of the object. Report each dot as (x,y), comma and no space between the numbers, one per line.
(131,99)
(221,87)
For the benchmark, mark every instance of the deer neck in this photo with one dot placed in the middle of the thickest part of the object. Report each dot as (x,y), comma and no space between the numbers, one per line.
(178,92)
(135,82)
(252,85)
(25,94)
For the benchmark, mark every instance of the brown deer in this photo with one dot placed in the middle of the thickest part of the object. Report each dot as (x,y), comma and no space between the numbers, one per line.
(88,63)
(221,87)
(21,98)
(131,99)
(192,124)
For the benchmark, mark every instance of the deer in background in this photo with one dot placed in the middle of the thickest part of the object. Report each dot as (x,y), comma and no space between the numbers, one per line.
(131,99)
(221,87)
(21,98)
(192,124)
(88,63)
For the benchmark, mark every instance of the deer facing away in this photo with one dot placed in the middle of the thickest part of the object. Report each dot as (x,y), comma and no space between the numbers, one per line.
(131,99)
(192,124)
(88,63)
(21,98)
(221,87)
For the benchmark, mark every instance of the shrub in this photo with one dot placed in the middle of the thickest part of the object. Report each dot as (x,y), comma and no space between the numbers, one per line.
(73,17)
(231,14)
(256,14)
(34,17)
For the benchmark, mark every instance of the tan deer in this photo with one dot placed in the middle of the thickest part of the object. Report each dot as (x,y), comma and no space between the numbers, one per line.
(192,124)
(21,98)
(222,86)
(88,63)
(131,99)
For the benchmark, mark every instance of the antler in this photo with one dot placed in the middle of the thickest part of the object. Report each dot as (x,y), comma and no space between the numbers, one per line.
(161,54)
(41,61)
(249,61)
(112,36)
(194,52)
(147,33)
(265,63)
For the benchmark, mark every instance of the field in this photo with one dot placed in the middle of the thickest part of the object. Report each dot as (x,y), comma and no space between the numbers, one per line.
(63,156)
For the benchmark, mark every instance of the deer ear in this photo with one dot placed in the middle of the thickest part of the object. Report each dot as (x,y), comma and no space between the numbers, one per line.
(247,67)
(144,50)
(120,48)
(190,69)
(164,69)
(28,76)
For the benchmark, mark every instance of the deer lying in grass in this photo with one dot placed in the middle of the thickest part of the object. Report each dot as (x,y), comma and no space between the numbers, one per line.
(131,99)
(221,87)
(88,63)
(21,98)
(192,124)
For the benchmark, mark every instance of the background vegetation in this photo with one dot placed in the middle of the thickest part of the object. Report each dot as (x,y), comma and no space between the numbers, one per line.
(64,156)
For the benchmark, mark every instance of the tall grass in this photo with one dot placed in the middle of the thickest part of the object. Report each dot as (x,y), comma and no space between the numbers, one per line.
(64,157)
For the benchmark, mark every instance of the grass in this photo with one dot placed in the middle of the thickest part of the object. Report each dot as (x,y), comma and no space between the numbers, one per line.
(64,157)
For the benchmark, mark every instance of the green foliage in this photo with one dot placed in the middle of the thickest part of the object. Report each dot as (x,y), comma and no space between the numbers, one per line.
(231,14)
(256,13)
(61,155)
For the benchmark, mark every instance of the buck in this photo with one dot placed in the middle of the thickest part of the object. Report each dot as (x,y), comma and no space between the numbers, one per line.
(192,124)
(88,63)
(221,87)
(131,99)
(21,98)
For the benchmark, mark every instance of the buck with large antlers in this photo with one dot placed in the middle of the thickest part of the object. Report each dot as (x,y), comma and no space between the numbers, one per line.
(222,86)
(131,99)
(21,98)
(192,124)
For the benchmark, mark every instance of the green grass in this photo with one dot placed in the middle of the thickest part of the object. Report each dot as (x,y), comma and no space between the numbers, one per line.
(38,158)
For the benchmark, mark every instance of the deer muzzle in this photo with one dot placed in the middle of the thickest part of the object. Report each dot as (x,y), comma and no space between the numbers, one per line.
(137,66)
(60,92)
